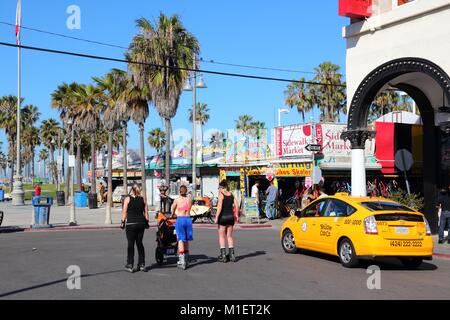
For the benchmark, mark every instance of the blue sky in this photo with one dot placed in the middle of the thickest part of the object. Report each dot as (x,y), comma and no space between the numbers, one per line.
(295,34)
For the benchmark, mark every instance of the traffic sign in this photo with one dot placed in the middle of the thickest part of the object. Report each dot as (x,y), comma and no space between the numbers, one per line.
(404,160)
(314,147)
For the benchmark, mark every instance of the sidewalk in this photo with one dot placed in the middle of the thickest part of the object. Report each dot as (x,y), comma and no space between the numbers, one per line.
(19,219)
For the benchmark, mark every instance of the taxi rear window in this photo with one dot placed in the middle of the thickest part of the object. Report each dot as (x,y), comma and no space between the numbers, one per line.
(384,206)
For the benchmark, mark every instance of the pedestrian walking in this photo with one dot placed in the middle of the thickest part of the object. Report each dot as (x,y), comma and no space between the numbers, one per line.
(227,216)
(181,208)
(322,192)
(135,220)
(272,197)
(255,194)
(444,202)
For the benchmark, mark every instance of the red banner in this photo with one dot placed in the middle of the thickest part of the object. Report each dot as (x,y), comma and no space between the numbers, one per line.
(355,8)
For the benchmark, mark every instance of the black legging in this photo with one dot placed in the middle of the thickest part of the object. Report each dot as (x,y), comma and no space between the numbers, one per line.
(135,234)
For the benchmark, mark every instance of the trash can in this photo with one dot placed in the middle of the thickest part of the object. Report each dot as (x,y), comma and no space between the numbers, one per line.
(61,198)
(2,195)
(80,199)
(92,201)
(42,205)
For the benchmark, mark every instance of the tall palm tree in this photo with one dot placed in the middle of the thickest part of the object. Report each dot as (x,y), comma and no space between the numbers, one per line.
(216,141)
(113,86)
(30,137)
(48,131)
(43,156)
(89,105)
(384,103)
(296,95)
(64,100)
(169,44)
(202,117)
(244,124)
(157,139)
(137,105)
(331,96)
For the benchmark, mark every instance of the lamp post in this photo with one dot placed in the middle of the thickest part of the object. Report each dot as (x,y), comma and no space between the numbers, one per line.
(281,111)
(201,85)
(73,221)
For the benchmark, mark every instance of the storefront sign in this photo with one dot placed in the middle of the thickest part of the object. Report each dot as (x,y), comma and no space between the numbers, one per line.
(246,147)
(355,8)
(251,208)
(292,140)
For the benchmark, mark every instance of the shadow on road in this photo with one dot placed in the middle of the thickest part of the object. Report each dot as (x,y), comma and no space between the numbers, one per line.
(384,263)
(47,284)
(198,260)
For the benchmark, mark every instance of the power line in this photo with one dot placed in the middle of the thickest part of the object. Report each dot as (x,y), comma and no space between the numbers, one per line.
(82,55)
(211,61)
(65,36)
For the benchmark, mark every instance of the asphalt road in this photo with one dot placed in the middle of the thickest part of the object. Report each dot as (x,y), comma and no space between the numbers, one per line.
(263,271)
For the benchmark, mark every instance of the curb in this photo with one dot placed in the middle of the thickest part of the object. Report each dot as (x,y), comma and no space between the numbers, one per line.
(113,227)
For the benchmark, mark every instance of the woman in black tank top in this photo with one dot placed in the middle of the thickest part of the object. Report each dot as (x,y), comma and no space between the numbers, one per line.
(227,216)
(135,221)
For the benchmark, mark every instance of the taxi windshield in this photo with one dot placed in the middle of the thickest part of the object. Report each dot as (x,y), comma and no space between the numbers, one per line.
(384,206)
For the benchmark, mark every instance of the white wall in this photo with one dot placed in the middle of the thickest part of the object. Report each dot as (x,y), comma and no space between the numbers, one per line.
(418,29)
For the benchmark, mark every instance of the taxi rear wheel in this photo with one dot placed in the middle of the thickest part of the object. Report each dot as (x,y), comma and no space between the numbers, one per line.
(347,254)
(288,242)
(411,263)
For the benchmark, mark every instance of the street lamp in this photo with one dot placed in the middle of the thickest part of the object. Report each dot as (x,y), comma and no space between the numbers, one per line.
(73,221)
(281,111)
(188,87)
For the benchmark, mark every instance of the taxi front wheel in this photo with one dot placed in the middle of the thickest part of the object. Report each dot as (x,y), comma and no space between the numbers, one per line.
(288,242)
(347,254)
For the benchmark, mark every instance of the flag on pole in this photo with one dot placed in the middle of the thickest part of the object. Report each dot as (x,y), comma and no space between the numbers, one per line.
(18,21)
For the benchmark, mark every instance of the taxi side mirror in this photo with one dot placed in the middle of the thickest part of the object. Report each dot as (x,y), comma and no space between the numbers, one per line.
(298,213)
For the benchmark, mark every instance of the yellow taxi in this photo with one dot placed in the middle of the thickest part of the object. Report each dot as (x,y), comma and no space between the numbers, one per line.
(355,228)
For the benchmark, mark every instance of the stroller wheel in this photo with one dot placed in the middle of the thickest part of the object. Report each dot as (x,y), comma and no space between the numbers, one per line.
(159,256)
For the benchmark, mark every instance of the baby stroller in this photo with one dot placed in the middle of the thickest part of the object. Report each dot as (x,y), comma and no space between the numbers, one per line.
(166,238)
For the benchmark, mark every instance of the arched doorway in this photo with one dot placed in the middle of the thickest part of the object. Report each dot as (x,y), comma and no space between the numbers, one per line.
(425,82)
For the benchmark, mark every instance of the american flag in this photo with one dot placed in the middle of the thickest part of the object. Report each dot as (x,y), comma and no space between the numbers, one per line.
(18,21)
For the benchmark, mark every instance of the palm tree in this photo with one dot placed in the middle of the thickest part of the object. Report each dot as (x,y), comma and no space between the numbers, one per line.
(296,95)
(157,139)
(64,100)
(169,44)
(43,156)
(48,131)
(244,124)
(331,96)
(202,117)
(89,104)
(216,141)
(30,136)
(384,103)
(113,86)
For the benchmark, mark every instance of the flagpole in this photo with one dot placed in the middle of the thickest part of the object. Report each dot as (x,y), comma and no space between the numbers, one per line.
(18,193)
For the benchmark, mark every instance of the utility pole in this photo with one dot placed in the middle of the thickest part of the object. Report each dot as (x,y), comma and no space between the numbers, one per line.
(194,129)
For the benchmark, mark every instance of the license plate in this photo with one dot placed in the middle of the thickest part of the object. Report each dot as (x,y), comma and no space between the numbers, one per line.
(401,230)
(406,243)
(170,251)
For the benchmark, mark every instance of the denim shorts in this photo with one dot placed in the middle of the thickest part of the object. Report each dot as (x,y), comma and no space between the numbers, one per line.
(183,227)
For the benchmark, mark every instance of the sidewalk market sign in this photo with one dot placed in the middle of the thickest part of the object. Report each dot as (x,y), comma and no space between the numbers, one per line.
(294,140)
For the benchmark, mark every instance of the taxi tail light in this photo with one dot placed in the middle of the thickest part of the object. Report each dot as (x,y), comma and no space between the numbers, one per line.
(427,225)
(370,225)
